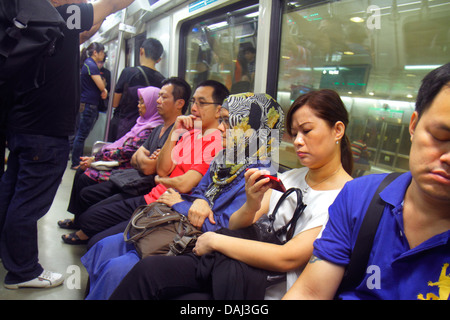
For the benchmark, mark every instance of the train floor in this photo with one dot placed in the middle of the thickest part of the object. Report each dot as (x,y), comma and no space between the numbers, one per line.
(54,254)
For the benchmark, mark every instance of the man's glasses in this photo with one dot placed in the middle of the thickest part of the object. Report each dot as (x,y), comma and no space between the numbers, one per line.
(201,104)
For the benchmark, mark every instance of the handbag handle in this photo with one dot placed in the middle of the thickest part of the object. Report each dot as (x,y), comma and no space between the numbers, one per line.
(297,213)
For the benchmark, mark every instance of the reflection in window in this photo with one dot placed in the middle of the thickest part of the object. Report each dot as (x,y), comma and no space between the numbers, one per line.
(374,56)
(223,48)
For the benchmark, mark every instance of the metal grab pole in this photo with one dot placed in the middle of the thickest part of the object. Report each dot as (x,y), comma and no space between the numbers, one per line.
(114,76)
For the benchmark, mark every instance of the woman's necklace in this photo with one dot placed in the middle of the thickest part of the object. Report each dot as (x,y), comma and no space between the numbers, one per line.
(308,187)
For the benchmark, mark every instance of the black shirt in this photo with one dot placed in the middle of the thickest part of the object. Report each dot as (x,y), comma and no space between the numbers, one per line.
(51,109)
(133,77)
(154,142)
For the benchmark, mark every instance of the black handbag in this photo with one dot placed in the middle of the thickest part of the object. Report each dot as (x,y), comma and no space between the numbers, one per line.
(263,230)
(132,181)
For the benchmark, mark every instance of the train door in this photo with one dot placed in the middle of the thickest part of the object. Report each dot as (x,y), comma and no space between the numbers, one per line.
(394,147)
(387,142)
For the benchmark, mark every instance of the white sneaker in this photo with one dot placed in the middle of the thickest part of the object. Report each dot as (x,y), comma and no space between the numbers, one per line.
(47,279)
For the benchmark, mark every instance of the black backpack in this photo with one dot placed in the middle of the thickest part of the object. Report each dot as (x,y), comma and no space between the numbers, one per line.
(29,30)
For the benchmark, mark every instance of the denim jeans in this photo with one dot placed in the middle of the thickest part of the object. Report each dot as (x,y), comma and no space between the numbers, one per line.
(35,168)
(87,121)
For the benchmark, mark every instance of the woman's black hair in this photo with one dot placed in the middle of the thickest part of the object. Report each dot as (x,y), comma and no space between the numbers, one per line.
(327,105)
(89,51)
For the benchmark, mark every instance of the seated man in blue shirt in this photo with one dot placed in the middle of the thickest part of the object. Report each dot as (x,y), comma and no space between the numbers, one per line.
(410,256)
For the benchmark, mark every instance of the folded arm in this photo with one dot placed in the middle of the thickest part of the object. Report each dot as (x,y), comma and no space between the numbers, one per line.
(184,183)
(145,162)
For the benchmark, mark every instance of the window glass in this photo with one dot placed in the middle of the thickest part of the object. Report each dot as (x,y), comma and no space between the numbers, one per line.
(223,48)
(374,56)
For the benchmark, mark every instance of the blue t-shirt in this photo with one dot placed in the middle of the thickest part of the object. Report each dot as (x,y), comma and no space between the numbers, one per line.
(394,270)
(89,91)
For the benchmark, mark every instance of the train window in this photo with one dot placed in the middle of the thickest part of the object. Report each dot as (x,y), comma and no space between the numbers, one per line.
(222,46)
(374,54)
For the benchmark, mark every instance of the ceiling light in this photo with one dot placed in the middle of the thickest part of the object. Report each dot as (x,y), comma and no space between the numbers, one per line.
(357,19)
(423,67)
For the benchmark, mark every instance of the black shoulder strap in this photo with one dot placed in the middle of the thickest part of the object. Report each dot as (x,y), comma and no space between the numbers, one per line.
(297,213)
(145,76)
(360,255)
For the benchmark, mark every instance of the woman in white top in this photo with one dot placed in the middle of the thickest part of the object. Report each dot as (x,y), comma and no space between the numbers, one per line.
(317,123)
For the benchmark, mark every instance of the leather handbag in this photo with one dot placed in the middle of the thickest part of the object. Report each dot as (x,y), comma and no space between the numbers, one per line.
(157,229)
(264,230)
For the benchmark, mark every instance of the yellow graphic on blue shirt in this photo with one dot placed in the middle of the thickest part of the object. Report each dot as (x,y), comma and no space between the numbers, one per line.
(443,284)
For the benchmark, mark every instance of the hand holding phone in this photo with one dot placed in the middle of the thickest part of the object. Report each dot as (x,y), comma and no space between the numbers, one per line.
(275,183)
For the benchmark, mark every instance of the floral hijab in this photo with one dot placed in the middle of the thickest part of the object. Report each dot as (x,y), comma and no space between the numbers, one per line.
(255,132)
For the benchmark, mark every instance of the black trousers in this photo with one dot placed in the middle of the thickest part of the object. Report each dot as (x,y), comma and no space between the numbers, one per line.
(87,192)
(163,278)
(80,181)
(108,213)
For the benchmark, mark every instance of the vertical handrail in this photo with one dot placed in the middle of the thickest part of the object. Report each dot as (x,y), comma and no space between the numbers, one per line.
(114,76)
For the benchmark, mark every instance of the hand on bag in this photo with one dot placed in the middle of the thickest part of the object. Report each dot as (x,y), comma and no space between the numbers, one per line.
(170,197)
(198,213)
(204,244)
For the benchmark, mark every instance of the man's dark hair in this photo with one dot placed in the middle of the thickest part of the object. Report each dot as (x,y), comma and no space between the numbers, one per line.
(431,86)
(153,48)
(250,49)
(220,92)
(181,90)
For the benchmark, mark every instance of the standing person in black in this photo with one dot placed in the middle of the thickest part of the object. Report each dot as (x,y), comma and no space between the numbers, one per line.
(132,78)
(37,130)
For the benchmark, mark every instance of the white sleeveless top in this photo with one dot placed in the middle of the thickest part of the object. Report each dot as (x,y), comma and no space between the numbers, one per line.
(315,215)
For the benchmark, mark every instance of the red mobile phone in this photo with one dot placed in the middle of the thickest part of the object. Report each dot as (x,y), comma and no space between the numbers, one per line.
(275,183)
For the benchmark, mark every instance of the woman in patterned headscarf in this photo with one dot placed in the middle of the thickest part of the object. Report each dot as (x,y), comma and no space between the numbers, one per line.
(218,195)
(253,132)
(252,126)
